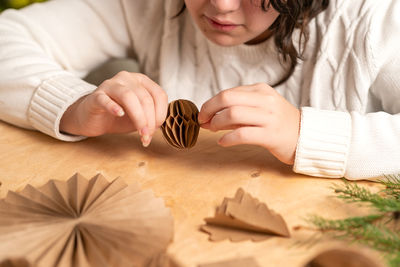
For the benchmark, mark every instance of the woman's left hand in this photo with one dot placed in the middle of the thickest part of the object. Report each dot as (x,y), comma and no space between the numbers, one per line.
(258,115)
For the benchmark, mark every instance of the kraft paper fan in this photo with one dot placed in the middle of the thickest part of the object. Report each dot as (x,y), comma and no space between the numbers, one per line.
(15,263)
(84,222)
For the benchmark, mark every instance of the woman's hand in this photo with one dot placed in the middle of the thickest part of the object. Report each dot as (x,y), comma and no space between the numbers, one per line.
(258,115)
(125,103)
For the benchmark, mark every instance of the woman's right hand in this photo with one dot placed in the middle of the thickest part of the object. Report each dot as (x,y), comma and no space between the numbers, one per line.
(125,103)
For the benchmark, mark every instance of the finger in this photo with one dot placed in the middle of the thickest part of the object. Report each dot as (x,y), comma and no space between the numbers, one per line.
(257,87)
(147,108)
(228,98)
(131,105)
(138,80)
(232,117)
(104,101)
(230,127)
(208,127)
(160,99)
(145,136)
(205,125)
(243,135)
(146,100)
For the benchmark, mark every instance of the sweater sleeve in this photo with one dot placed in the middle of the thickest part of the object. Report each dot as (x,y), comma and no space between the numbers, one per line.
(375,146)
(351,144)
(45,50)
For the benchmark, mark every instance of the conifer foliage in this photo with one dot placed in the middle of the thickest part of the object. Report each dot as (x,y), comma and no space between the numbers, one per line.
(379,229)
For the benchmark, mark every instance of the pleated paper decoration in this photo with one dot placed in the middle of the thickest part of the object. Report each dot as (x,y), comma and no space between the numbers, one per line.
(181,127)
(19,262)
(244,218)
(83,223)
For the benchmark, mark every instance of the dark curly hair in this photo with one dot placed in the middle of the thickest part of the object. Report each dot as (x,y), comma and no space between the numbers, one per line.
(294,14)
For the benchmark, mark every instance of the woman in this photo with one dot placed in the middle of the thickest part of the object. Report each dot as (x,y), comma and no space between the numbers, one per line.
(331,114)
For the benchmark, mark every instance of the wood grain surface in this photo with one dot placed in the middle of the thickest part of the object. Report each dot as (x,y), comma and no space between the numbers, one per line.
(192,182)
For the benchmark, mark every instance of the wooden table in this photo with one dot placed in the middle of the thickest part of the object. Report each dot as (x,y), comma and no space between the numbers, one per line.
(192,183)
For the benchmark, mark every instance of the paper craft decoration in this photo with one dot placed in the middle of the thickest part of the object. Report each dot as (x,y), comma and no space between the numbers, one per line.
(163,260)
(244,217)
(247,262)
(344,258)
(181,127)
(83,223)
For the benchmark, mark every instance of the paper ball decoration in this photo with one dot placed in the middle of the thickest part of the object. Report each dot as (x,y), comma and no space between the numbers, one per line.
(181,127)
(84,223)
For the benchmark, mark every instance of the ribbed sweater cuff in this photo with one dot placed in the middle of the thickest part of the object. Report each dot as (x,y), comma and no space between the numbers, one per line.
(324,143)
(51,100)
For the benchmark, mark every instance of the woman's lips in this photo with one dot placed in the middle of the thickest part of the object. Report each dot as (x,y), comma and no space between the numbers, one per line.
(225,26)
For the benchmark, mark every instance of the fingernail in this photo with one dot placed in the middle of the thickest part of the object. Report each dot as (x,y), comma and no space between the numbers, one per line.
(120,113)
(144,132)
(219,142)
(146,139)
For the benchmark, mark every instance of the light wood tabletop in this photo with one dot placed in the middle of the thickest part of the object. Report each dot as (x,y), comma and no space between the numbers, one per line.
(192,183)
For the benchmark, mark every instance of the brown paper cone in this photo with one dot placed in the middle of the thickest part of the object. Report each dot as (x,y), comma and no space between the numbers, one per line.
(84,223)
(244,217)
(181,127)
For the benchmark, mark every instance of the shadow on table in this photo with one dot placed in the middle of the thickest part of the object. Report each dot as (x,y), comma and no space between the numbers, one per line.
(206,154)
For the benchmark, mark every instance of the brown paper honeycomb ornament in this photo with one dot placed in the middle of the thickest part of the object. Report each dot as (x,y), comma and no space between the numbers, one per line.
(181,127)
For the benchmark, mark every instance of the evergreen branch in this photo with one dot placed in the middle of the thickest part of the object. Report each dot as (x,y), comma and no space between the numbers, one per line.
(345,224)
(364,230)
(378,237)
(354,193)
(392,186)
(393,260)
(380,230)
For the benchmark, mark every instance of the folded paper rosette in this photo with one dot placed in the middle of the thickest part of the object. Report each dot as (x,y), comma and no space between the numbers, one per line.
(84,222)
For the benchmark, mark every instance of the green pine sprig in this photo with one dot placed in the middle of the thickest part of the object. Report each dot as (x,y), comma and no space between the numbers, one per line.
(384,201)
(378,230)
(392,186)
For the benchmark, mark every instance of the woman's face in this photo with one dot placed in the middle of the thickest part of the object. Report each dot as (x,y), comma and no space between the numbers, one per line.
(232,22)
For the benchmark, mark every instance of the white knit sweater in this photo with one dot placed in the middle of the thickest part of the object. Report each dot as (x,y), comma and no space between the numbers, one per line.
(348,87)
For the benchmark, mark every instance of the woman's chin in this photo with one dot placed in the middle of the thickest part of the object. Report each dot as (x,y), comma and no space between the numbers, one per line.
(224,40)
